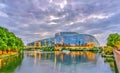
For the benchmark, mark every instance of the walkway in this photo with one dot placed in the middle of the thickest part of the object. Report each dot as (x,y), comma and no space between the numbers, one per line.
(117,59)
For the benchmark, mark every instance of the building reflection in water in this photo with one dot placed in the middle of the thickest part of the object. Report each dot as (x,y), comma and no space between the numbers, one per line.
(59,61)
(67,59)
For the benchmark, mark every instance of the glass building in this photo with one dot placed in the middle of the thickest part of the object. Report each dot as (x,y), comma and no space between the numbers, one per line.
(68,39)
(44,42)
(47,42)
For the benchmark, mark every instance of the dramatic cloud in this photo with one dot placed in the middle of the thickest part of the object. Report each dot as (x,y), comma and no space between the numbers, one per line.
(37,19)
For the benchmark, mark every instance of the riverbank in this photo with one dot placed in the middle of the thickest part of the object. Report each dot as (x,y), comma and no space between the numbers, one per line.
(107,53)
(64,48)
(7,55)
(10,63)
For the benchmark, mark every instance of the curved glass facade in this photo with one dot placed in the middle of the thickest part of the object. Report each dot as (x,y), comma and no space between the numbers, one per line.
(68,39)
(47,42)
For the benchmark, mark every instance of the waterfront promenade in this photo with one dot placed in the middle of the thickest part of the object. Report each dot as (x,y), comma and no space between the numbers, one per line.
(117,59)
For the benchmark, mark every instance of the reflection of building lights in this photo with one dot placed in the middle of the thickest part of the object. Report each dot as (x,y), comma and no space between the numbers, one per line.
(90,55)
(34,57)
(57,53)
(62,57)
(39,56)
(55,62)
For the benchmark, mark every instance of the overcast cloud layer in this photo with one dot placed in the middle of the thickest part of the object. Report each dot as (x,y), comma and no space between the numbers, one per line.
(37,19)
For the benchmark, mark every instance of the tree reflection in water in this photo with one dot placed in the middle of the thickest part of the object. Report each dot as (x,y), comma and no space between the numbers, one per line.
(8,65)
(112,64)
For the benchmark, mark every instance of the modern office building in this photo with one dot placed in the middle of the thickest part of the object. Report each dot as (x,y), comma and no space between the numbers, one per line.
(68,39)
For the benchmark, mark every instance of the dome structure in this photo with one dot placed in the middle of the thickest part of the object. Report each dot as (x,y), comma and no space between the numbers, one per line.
(75,39)
(68,39)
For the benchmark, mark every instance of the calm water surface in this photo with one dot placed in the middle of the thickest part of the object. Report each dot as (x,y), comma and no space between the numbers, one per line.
(57,62)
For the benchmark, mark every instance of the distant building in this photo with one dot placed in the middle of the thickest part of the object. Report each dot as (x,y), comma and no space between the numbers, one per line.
(68,39)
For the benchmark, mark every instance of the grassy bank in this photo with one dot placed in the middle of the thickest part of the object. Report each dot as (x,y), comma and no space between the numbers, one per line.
(107,53)
(98,49)
(10,54)
(83,49)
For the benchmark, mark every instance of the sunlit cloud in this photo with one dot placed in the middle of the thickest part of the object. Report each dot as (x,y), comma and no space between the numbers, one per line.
(2,5)
(36,33)
(60,3)
(100,16)
(45,33)
(2,14)
(52,23)
(53,17)
(50,1)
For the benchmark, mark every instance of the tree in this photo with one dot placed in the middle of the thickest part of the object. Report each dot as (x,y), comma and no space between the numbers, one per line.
(8,40)
(3,46)
(114,40)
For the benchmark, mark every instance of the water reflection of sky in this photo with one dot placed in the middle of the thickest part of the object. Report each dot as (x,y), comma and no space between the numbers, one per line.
(78,62)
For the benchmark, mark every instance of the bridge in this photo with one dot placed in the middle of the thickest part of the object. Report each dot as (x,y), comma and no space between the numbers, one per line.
(117,59)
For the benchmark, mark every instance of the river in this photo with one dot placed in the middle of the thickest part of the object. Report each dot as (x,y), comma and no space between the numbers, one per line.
(57,62)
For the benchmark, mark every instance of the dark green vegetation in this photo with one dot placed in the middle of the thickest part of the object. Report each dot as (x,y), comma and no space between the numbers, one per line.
(97,49)
(9,42)
(83,49)
(47,48)
(10,64)
(113,43)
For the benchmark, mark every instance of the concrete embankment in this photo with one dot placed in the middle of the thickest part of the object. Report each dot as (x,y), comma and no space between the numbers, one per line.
(117,59)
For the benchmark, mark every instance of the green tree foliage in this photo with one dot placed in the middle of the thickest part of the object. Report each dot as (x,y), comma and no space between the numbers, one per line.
(8,40)
(113,40)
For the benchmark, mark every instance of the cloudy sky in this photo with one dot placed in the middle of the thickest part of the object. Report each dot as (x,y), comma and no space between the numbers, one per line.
(37,19)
